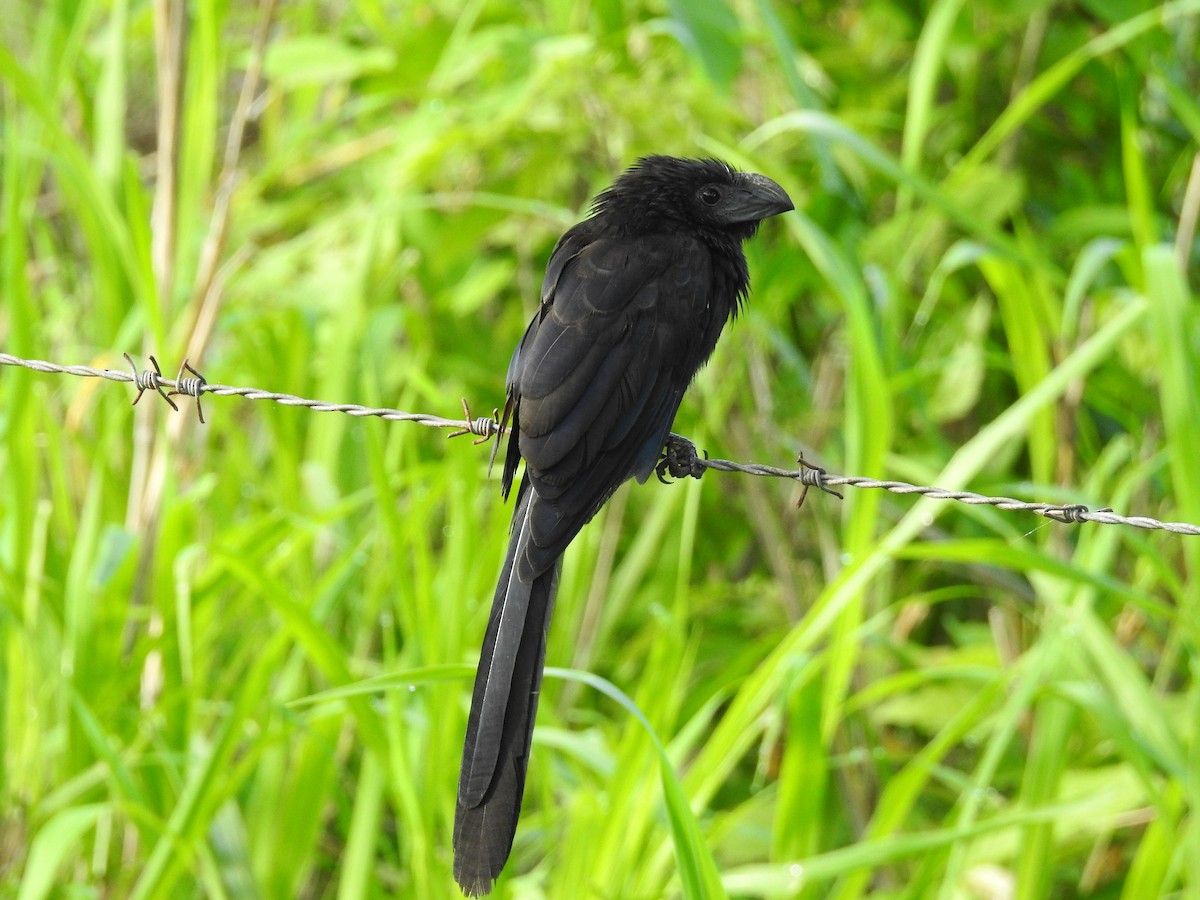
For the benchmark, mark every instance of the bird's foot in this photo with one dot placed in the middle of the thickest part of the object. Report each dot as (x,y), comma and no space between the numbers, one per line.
(679,459)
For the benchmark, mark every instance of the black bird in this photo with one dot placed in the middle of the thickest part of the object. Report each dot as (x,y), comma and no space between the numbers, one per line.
(633,302)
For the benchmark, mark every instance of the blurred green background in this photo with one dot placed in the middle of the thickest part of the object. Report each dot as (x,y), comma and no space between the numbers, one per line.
(990,283)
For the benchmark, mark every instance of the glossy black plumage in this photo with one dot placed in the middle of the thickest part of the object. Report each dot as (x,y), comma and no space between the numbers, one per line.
(633,302)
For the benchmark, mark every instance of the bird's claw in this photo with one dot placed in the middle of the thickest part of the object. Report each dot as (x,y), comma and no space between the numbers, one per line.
(679,459)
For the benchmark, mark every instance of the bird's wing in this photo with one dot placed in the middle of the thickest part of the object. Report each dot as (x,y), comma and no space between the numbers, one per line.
(600,373)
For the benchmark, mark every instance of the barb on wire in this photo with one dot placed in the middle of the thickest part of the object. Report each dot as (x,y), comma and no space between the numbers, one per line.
(810,475)
(197,385)
(484,426)
(188,387)
(148,380)
(680,458)
(1071,514)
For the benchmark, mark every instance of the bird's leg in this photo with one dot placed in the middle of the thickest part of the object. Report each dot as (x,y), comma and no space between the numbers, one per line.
(679,459)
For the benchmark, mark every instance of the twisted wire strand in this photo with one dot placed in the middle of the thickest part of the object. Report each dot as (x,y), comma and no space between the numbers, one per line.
(196,386)
(485,428)
(1071,513)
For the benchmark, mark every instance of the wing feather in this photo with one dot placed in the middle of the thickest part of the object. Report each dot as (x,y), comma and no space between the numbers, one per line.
(598,377)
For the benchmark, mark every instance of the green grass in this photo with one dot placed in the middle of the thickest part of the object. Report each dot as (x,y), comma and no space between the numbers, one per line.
(235,658)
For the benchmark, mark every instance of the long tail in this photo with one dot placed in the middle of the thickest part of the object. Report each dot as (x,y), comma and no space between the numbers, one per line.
(503,706)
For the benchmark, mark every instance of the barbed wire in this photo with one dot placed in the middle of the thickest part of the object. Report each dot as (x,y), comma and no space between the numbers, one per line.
(680,457)
(197,385)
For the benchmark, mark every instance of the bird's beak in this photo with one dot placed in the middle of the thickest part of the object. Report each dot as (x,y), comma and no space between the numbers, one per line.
(759,198)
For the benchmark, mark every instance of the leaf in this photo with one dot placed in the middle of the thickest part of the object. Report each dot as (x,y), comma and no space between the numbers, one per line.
(54,842)
(315,60)
(710,31)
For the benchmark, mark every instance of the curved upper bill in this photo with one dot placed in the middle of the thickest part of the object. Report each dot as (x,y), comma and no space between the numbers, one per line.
(759,198)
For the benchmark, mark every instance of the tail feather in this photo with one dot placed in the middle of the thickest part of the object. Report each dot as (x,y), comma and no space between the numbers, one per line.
(503,708)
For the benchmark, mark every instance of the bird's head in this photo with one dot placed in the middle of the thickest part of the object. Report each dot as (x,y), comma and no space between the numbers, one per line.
(703,194)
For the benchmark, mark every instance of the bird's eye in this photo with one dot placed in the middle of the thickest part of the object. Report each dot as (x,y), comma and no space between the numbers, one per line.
(710,195)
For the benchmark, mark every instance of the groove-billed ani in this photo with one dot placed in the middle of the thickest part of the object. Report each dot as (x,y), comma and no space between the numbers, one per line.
(632,305)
